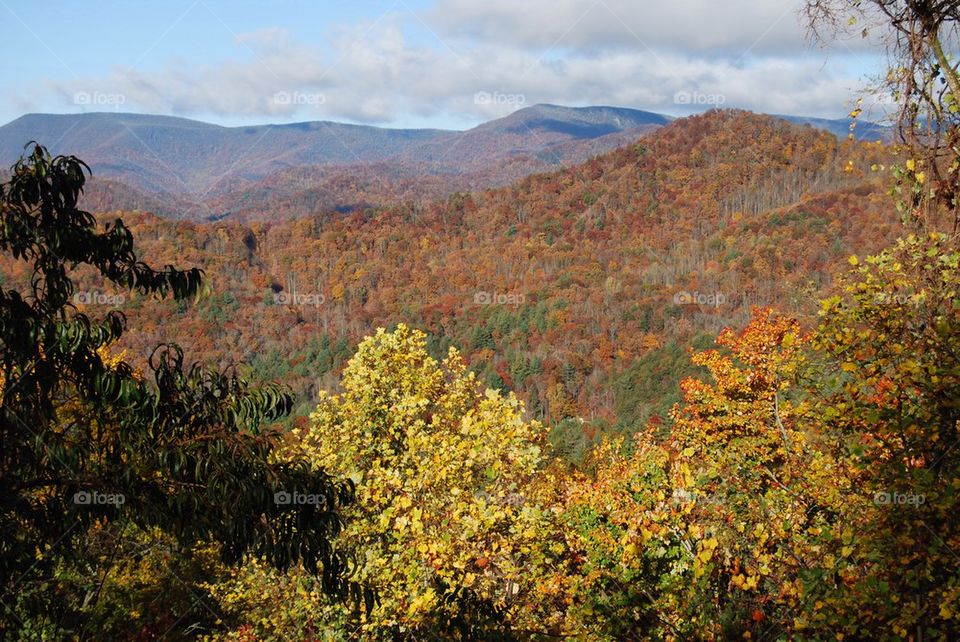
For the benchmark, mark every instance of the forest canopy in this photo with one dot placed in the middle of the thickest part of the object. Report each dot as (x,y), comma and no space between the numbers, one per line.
(703,387)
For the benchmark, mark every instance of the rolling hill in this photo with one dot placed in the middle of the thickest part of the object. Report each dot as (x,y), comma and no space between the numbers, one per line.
(580,288)
(187,169)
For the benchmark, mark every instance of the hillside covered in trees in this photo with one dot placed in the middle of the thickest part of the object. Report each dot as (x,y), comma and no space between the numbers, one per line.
(190,170)
(581,290)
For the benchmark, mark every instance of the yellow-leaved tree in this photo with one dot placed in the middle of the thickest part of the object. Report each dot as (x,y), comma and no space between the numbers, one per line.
(445,529)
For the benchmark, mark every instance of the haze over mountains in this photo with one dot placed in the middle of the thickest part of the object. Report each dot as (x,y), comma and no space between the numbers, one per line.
(188,169)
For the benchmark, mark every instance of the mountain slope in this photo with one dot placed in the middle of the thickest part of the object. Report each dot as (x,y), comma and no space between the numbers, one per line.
(177,155)
(534,131)
(167,154)
(840,127)
(187,169)
(581,288)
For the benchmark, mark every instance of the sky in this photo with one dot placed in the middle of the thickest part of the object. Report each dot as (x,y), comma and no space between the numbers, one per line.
(419,63)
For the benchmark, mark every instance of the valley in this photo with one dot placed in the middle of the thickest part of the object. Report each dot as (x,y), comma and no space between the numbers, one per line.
(598,259)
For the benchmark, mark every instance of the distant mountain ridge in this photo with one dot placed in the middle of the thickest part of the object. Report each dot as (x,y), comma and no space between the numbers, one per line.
(840,127)
(164,153)
(190,169)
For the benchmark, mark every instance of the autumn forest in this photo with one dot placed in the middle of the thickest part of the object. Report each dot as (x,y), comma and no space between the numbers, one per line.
(696,381)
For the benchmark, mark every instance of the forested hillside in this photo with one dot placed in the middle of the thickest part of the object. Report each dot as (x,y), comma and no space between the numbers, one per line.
(186,169)
(582,290)
(192,170)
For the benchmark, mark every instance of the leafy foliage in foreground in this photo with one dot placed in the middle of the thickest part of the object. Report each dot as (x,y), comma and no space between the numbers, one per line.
(446,528)
(809,490)
(804,490)
(89,442)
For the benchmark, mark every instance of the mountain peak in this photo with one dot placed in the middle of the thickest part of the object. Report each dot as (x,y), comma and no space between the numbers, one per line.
(578,121)
(179,160)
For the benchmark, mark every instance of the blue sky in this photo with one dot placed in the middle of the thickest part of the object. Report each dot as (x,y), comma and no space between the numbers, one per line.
(416,63)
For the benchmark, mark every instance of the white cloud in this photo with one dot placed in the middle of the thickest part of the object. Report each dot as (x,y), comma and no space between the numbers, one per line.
(733,28)
(377,74)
